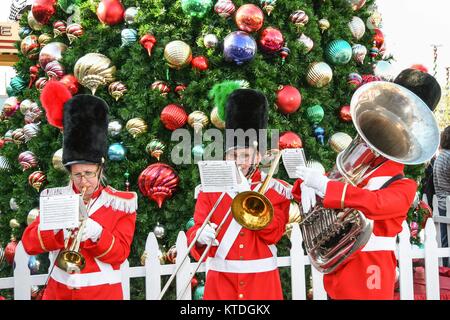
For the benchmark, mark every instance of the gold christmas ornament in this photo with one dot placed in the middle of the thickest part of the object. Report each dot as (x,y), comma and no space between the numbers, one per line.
(117,89)
(357,27)
(215,119)
(319,74)
(177,54)
(198,120)
(94,70)
(324,24)
(57,160)
(136,127)
(32,22)
(32,215)
(44,39)
(294,217)
(13,223)
(339,141)
(161,257)
(18,136)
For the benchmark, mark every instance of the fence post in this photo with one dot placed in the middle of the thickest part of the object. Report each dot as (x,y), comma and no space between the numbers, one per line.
(184,273)
(297,264)
(319,292)
(152,268)
(125,272)
(431,262)
(404,252)
(22,277)
(436,223)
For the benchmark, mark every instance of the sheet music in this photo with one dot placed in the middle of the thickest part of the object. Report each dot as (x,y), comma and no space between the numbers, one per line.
(59,211)
(293,158)
(220,176)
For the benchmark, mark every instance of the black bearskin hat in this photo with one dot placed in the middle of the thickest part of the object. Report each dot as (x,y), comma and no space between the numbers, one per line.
(85,130)
(246,109)
(424,85)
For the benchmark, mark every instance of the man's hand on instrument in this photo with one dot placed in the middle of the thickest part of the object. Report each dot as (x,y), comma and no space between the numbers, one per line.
(308,197)
(92,230)
(313,178)
(208,234)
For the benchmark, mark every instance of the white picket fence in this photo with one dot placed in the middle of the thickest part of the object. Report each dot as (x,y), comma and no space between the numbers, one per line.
(22,281)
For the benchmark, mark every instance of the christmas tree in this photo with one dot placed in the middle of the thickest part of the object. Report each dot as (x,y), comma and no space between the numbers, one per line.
(159,60)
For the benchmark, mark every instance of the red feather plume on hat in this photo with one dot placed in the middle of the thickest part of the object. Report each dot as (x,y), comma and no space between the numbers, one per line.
(53,97)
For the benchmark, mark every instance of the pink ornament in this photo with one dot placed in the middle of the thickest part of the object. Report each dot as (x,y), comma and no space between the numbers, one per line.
(54,70)
(224,8)
(27,160)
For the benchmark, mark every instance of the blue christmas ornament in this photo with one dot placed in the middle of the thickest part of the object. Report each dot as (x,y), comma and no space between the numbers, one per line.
(24,32)
(129,36)
(116,152)
(199,292)
(198,151)
(33,264)
(338,52)
(239,47)
(9,91)
(190,223)
(319,133)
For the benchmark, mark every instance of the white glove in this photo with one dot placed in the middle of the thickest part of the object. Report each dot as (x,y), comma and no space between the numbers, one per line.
(313,178)
(308,197)
(208,234)
(92,230)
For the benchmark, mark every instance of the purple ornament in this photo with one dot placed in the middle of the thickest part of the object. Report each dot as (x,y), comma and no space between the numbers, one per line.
(239,47)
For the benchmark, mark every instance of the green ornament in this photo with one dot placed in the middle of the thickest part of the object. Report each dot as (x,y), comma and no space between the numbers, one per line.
(17,84)
(155,148)
(190,223)
(10,91)
(198,151)
(68,6)
(199,291)
(196,8)
(315,113)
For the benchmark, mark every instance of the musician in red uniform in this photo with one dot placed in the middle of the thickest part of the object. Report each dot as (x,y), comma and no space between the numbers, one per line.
(242,263)
(384,197)
(109,229)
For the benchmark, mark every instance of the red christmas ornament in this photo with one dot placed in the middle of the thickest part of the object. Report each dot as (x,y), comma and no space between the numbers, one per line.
(37,179)
(427,212)
(40,83)
(148,41)
(71,82)
(158,182)
(200,63)
(10,251)
(224,8)
(288,99)
(161,86)
(2,298)
(289,140)
(378,38)
(271,40)
(171,255)
(366,78)
(419,67)
(344,114)
(249,18)
(110,12)
(179,90)
(43,10)
(59,28)
(34,70)
(194,282)
(2,143)
(173,117)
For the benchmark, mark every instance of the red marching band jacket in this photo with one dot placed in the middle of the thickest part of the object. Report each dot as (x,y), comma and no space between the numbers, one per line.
(371,272)
(100,279)
(244,265)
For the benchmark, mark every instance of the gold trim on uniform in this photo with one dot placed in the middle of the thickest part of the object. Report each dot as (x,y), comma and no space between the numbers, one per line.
(40,239)
(343,195)
(109,249)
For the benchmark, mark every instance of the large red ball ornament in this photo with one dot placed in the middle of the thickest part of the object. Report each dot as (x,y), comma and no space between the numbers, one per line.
(344,114)
(158,182)
(288,99)
(173,117)
(271,40)
(378,38)
(199,63)
(290,140)
(249,18)
(43,10)
(71,82)
(110,12)
(10,251)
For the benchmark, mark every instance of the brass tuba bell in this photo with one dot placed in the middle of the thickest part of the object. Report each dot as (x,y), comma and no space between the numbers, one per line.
(252,209)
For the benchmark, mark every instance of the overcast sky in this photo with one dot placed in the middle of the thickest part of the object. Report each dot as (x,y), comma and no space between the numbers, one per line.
(410,28)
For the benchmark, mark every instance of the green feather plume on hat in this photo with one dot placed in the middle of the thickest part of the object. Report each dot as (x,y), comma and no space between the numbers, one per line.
(221,91)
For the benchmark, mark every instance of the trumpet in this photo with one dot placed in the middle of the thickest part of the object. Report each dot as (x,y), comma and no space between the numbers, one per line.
(70,259)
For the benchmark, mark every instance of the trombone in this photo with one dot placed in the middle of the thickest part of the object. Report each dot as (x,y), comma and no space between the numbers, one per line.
(70,259)
(251,209)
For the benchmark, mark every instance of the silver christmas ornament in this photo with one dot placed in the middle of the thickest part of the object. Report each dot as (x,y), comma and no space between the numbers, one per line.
(114,128)
(210,40)
(130,15)
(159,231)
